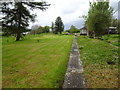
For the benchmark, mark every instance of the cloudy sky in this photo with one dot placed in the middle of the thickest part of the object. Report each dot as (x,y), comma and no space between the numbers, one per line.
(68,10)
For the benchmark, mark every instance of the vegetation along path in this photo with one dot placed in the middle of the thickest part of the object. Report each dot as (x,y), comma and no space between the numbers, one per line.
(74,77)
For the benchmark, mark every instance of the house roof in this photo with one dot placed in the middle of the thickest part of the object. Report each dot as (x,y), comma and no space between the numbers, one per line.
(84,27)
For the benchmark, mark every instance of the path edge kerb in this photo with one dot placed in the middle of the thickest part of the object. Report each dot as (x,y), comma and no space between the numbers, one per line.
(79,70)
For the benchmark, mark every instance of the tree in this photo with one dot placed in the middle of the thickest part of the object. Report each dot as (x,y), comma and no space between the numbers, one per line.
(17,15)
(115,22)
(59,26)
(35,27)
(99,18)
(73,29)
(52,27)
(46,29)
(40,29)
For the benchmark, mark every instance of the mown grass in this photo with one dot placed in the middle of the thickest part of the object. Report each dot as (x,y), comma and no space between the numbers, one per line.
(31,63)
(95,55)
(112,39)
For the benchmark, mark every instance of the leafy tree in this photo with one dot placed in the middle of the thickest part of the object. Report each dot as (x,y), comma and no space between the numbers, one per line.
(46,29)
(59,26)
(99,17)
(114,22)
(73,29)
(36,30)
(17,15)
(40,30)
(35,27)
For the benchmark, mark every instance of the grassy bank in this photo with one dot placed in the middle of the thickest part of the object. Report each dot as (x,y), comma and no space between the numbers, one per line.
(112,39)
(100,62)
(39,61)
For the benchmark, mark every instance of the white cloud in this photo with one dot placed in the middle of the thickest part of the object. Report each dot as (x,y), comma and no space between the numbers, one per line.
(68,10)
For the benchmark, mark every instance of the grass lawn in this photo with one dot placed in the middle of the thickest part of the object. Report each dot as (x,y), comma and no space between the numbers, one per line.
(97,56)
(32,64)
(112,39)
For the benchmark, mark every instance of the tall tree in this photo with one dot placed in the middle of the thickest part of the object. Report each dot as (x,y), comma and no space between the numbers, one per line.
(99,17)
(52,27)
(59,26)
(17,15)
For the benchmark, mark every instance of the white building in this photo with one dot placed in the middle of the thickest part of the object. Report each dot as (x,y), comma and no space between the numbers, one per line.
(83,31)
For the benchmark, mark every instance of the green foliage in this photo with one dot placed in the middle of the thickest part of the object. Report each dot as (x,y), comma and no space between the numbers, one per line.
(45,29)
(73,29)
(59,26)
(118,25)
(99,17)
(114,22)
(6,32)
(16,16)
(113,39)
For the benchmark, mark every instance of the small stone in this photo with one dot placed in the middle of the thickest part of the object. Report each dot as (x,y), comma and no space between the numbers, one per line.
(68,83)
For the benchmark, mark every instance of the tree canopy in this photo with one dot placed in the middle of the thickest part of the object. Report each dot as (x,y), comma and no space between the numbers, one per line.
(99,17)
(16,16)
(73,29)
(59,26)
(41,29)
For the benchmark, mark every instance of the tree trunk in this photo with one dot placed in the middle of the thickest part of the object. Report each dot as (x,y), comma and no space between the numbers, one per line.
(60,32)
(19,23)
(18,36)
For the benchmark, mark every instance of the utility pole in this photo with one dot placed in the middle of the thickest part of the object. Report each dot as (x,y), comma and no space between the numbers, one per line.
(119,10)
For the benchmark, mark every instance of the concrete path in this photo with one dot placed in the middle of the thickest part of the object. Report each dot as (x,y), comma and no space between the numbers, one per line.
(74,77)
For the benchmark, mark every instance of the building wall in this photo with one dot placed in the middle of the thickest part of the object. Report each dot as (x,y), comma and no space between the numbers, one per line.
(83,32)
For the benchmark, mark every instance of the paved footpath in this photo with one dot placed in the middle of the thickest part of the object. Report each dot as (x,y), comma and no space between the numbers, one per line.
(73,76)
